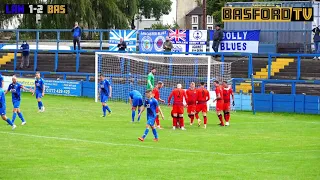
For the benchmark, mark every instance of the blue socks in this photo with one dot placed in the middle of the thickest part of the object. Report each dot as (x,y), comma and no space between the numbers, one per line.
(9,122)
(139,116)
(20,116)
(104,110)
(14,115)
(133,115)
(154,131)
(108,109)
(40,104)
(145,133)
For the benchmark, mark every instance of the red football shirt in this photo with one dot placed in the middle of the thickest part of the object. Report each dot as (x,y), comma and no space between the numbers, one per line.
(226,94)
(156,93)
(178,95)
(219,92)
(202,95)
(192,96)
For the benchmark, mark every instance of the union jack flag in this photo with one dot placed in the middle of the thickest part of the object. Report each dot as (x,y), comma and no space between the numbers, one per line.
(178,35)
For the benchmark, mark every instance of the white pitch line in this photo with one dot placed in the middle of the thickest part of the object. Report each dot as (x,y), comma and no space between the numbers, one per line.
(152,147)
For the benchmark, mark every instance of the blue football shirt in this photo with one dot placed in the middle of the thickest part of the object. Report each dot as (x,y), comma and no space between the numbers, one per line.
(135,94)
(151,105)
(2,99)
(15,90)
(1,80)
(104,87)
(39,85)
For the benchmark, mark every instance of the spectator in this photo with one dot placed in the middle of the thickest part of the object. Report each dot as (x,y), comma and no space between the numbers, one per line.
(316,40)
(217,37)
(122,45)
(25,55)
(76,35)
(167,45)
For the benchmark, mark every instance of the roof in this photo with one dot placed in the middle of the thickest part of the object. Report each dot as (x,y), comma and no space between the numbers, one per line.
(195,11)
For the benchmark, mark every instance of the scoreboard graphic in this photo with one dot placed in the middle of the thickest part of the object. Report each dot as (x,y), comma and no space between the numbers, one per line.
(35,9)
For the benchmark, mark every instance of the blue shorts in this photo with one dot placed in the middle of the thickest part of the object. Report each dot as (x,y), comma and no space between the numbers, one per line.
(137,102)
(2,111)
(104,99)
(38,95)
(16,104)
(151,121)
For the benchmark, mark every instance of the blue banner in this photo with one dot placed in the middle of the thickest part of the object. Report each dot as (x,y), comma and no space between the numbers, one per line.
(129,36)
(152,41)
(65,88)
(55,87)
(238,41)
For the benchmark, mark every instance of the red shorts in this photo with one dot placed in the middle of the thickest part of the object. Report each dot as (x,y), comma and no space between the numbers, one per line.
(226,106)
(202,108)
(177,109)
(157,110)
(191,108)
(220,106)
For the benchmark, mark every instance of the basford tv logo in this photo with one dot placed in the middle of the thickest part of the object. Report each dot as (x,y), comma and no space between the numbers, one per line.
(146,43)
(158,43)
(197,35)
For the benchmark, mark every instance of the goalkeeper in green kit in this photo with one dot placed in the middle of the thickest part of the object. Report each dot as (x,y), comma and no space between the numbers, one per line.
(150,81)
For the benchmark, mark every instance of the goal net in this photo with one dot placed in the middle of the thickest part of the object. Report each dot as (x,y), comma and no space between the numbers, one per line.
(127,72)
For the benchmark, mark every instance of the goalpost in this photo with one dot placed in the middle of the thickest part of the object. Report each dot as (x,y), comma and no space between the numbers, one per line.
(128,71)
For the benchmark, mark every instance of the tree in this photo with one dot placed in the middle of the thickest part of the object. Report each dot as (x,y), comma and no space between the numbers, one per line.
(92,14)
(165,26)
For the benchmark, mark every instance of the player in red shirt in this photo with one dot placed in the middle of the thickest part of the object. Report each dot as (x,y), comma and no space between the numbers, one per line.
(227,91)
(203,96)
(219,99)
(178,95)
(192,101)
(156,95)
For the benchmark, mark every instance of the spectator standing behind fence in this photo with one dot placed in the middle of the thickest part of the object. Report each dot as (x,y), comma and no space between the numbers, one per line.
(76,35)
(25,55)
(217,38)
(316,40)
(167,47)
(122,45)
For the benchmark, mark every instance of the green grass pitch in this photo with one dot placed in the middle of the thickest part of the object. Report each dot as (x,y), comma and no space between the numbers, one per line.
(71,141)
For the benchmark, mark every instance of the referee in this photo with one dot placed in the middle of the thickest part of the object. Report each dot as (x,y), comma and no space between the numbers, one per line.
(150,81)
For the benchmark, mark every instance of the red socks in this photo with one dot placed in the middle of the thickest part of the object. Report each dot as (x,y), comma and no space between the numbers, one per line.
(157,120)
(181,122)
(197,115)
(221,120)
(227,116)
(205,119)
(175,120)
(191,116)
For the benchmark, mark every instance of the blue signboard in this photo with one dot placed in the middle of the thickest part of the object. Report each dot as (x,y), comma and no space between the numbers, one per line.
(65,88)
(152,41)
(55,87)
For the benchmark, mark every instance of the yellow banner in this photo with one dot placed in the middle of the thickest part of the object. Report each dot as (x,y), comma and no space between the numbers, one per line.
(266,14)
(26,82)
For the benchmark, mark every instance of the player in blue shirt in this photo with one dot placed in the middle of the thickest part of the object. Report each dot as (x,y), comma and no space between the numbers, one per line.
(15,88)
(135,100)
(1,81)
(39,90)
(105,91)
(151,104)
(3,109)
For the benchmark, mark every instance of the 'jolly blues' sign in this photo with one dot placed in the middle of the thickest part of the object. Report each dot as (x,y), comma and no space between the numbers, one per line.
(238,41)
